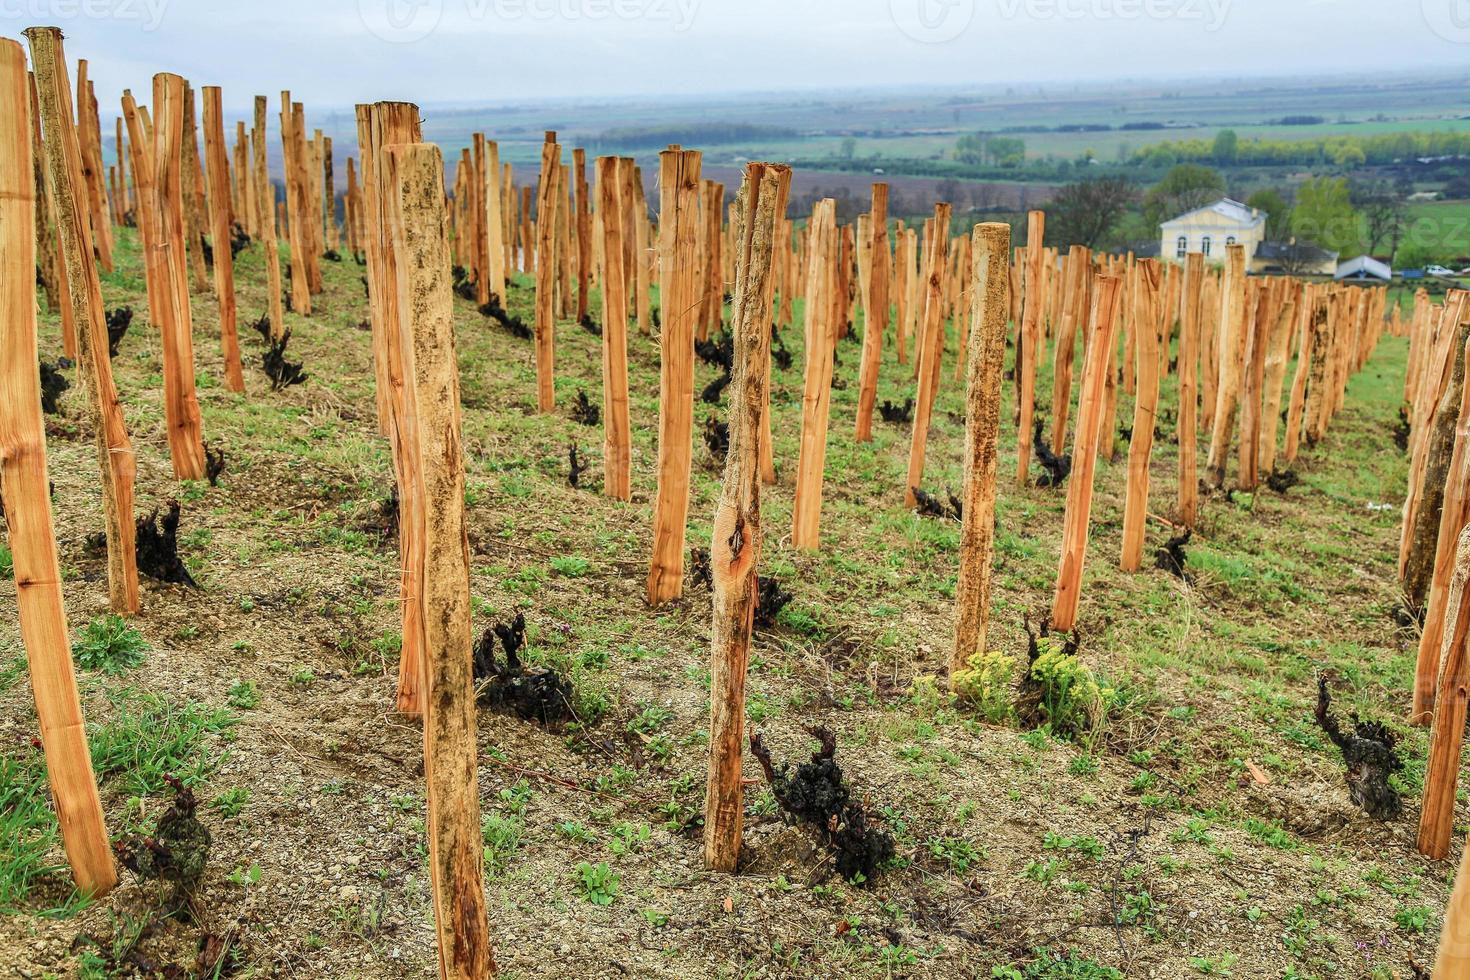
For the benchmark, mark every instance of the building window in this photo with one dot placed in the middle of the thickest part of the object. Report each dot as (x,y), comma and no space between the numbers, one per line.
(1205,246)
(1181,248)
(1230,240)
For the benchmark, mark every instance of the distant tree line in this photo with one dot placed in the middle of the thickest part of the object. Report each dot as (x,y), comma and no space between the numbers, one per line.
(688,134)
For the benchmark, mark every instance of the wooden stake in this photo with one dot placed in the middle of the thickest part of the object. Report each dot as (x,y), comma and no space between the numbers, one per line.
(219,219)
(1030,337)
(84,290)
(816,402)
(1189,344)
(1145,406)
(27,502)
(546,278)
(1074,310)
(1452,681)
(191,185)
(91,157)
(989,311)
(494,222)
(175,321)
(1231,350)
(736,536)
(265,197)
(931,350)
(1089,418)
(1282,329)
(1313,328)
(875,311)
(431,399)
(617,444)
(379,126)
(679,300)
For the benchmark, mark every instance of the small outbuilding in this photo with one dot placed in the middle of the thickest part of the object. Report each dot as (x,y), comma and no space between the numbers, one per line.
(1364,269)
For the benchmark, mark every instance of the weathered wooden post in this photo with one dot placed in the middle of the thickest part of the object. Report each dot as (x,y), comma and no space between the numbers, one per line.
(495,262)
(617,443)
(265,202)
(547,202)
(381,125)
(932,347)
(27,500)
(583,226)
(175,321)
(1283,325)
(1453,959)
(89,143)
(219,221)
(84,296)
(1452,680)
(1075,303)
(1029,336)
(990,310)
(816,403)
(875,311)
(1145,406)
(1089,420)
(191,184)
(1231,345)
(1313,330)
(431,399)
(736,536)
(1189,344)
(679,298)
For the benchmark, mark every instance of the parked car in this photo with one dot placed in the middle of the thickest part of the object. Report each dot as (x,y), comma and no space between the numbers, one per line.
(1439,270)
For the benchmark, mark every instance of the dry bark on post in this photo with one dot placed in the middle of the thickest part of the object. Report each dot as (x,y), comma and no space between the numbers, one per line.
(875,311)
(219,219)
(265,202)
(191,180)
(1189,344)
(89,143)
(381,125)
(1089,425)
(1029,336)
(679,297)
(1453,958)
(816,402)
(1284,325)
(1313,330)
(175,322)
(735,541)
(1230,349)
(933,346)
(84,292)
(27,503)
(442,576)
(617,443)
(1145,405)
(546,278)
(1074,310)
(584,230)
(990,309)
(1253,378)
(1451,678)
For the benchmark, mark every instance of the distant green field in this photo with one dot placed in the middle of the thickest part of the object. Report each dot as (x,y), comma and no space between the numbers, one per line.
(1441,226)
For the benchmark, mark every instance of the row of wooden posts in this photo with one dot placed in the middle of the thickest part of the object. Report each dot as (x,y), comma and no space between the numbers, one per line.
(1236,337)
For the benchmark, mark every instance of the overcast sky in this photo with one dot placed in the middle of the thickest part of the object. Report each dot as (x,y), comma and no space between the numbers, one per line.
(340,52)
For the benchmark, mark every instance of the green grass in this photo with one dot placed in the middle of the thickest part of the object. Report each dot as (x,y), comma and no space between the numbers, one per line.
(109,645)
